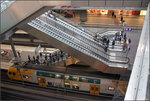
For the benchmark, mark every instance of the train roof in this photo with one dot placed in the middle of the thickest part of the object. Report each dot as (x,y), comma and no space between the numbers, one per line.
(72,70)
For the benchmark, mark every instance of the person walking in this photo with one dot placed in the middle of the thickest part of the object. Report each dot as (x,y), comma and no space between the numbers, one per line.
(113,43)
(107,42)
(124,46)
(129,40)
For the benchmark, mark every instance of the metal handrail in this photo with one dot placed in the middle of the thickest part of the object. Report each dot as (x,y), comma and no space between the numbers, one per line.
(98,54)
(87,36)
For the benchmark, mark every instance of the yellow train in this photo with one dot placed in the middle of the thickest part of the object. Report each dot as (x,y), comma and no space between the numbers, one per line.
(73,80)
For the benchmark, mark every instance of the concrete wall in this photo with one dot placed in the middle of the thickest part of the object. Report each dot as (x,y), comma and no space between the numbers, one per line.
(110,3)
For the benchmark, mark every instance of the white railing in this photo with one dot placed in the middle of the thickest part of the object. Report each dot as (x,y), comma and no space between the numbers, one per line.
(139,77)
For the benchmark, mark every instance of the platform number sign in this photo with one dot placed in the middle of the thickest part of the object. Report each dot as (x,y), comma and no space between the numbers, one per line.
(128,29)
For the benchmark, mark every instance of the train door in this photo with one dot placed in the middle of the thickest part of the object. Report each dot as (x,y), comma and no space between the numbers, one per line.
(94,89)
(41,81)
(97,89)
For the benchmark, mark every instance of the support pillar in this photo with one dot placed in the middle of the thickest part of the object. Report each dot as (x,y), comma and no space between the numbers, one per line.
(12,46)
(83,16)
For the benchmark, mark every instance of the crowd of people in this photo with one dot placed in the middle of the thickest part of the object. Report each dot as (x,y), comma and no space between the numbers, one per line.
(119,36)
(48,58)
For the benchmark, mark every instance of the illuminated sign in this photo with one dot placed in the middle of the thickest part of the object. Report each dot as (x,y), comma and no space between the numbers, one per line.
(128,29)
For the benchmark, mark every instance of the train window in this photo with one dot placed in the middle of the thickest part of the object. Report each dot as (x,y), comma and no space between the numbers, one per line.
(40,73)
(67,77)
(42,81)
(14,73)
(48,75)
(111,88)
(90,80)
(9,73)
(97,81)
(75,86)
(75,78)
(84,80)
(92,88)
(53,75)
(50,83)
(96,89)
(62,76)
(58,76)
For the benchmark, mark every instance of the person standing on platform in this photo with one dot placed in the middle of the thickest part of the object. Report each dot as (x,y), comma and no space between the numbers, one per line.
(129,40)
(124,25)
(19,54)
(113,13)
(34,59)
(29,59)
(121,20)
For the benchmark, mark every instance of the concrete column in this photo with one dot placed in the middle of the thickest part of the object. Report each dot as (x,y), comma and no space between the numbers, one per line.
(12,46)
(83,16)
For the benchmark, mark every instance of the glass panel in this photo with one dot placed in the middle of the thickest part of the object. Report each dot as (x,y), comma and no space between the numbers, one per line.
(84,80)
(92,88)
(58,76)
(97,89)
(14,73)
(67,77)
(97,81)
(75,78)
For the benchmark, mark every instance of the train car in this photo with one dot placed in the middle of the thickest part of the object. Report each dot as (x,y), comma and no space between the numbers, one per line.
(75,80)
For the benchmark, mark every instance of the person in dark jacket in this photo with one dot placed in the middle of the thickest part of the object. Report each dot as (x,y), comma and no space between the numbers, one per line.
(113,43)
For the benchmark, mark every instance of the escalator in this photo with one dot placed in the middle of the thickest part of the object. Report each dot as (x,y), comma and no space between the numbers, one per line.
(76,44)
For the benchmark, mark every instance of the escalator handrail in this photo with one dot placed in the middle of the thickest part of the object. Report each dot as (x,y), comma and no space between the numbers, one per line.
(108,59)
(100,50)
(70,22)
(84,35)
